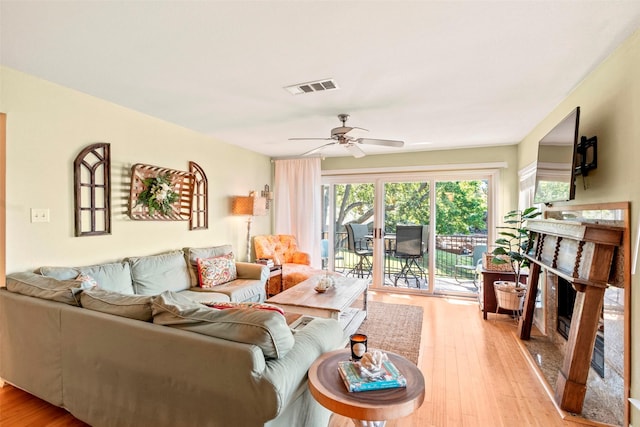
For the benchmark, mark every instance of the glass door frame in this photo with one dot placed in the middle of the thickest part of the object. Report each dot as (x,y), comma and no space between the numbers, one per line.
(378,179)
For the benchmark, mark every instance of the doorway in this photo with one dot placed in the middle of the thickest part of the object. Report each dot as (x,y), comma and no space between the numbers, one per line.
(449,217)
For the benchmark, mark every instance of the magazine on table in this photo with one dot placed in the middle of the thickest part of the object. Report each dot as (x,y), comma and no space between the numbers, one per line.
(355,380)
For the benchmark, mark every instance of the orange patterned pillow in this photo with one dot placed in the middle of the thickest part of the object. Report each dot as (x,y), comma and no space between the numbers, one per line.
(244,305)
(216,270)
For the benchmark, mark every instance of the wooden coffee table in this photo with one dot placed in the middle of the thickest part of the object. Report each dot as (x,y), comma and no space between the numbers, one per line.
(336,303)
(365,408)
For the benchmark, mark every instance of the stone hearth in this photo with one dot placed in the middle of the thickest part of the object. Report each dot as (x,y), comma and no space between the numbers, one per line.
(604,399)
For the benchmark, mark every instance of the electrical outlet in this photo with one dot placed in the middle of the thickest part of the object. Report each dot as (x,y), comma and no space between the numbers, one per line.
(40,215)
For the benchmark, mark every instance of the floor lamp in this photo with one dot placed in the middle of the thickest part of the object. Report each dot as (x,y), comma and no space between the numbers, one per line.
(252,206)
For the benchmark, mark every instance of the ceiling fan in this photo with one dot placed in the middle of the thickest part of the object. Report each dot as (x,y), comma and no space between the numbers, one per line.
(339,136)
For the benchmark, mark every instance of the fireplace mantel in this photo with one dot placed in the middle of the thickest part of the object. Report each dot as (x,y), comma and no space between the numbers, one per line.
(581,253)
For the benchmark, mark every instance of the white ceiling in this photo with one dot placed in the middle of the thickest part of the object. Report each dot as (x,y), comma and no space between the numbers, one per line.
(437,75)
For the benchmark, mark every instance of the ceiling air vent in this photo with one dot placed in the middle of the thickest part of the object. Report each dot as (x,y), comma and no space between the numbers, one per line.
(309,87)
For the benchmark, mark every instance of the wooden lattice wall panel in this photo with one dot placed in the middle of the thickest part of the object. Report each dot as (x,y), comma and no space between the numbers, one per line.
(92,190)
(200,203)
(181,182)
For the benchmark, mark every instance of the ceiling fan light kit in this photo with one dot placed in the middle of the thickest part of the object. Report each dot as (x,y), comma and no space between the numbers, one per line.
(339,136)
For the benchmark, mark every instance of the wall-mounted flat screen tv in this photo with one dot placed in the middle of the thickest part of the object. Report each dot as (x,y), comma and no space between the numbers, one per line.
(555,169)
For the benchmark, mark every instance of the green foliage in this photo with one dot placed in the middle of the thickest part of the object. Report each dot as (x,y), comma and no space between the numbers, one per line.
(158,195)
(514,241)
(461,206)
(406,203)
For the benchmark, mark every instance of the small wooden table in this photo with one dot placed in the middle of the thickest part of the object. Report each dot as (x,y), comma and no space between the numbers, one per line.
(274,282)
(487,293)
(365,408)
(336,303)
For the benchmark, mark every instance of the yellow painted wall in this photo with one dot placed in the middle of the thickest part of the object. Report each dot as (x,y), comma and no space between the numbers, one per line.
(609,100)
(48,125)
(506,200)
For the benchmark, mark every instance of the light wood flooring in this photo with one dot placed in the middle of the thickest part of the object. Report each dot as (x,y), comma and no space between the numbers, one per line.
(476,375)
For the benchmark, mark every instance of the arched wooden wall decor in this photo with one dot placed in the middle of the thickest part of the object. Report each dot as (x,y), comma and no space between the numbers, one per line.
(181,182)
(92,190)
(200,203)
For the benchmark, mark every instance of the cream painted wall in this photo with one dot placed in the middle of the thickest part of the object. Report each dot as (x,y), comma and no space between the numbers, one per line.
(506,199)
(48,125)
(609,100)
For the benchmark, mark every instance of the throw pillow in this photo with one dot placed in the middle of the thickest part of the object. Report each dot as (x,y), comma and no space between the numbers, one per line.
(86,281)
(192,254)
(216,270)
(244,305)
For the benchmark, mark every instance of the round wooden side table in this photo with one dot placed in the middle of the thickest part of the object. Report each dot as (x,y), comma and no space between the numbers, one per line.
(365,408)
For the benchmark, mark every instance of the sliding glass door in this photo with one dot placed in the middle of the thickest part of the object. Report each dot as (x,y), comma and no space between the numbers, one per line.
(461,214)
(419,233)
(351,205)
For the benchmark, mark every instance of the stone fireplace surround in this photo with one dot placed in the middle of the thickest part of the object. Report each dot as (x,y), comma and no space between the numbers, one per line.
(605,399)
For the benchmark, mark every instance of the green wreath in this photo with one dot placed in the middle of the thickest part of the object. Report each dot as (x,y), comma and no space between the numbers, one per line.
(158,194)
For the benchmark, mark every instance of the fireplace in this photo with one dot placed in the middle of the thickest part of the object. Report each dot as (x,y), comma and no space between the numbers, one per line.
(581,253)
(566,300)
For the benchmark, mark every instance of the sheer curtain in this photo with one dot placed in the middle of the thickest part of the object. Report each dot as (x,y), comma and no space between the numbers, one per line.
(297,203)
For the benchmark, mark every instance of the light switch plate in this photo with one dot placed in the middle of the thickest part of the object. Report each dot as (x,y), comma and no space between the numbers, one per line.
(39,215)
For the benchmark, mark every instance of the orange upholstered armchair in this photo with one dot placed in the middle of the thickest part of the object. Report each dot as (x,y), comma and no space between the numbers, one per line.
(283,250)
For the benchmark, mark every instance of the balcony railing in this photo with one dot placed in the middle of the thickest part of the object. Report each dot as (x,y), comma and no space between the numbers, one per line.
(451,250)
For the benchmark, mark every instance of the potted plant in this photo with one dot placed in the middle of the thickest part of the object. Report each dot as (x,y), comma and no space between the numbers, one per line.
(513,242)
(511,247)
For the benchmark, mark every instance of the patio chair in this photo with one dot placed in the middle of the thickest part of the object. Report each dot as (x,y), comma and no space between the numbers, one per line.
(411,245)
(476,258)
(358,243)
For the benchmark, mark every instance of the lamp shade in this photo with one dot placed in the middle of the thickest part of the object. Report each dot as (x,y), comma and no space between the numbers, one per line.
(249,205)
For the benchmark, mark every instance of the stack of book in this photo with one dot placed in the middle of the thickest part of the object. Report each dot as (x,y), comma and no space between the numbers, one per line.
(356,380)
(265,261)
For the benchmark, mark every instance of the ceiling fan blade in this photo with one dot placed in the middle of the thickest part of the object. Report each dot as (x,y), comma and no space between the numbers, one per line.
(356,128)
(309,139)
(383,142)
(355,151)
(315,150)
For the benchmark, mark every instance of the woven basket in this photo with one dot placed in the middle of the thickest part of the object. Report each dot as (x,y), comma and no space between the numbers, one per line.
(490,266)
(508,295)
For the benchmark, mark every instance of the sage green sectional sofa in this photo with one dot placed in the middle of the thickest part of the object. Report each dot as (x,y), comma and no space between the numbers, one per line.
(142,349)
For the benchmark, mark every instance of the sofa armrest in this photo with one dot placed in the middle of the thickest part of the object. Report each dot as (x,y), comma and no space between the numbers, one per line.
(249,270)
(301,258)
(289,373)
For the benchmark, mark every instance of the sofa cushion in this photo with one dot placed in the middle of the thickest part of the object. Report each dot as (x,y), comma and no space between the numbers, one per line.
(132,306)
(114,277)
(39,286)
(242,290)
(216,270)
(191,255)
(204,295)
(266,329)
(155,274)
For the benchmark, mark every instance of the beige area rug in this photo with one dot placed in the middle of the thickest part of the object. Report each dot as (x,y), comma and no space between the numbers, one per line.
(394,327)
